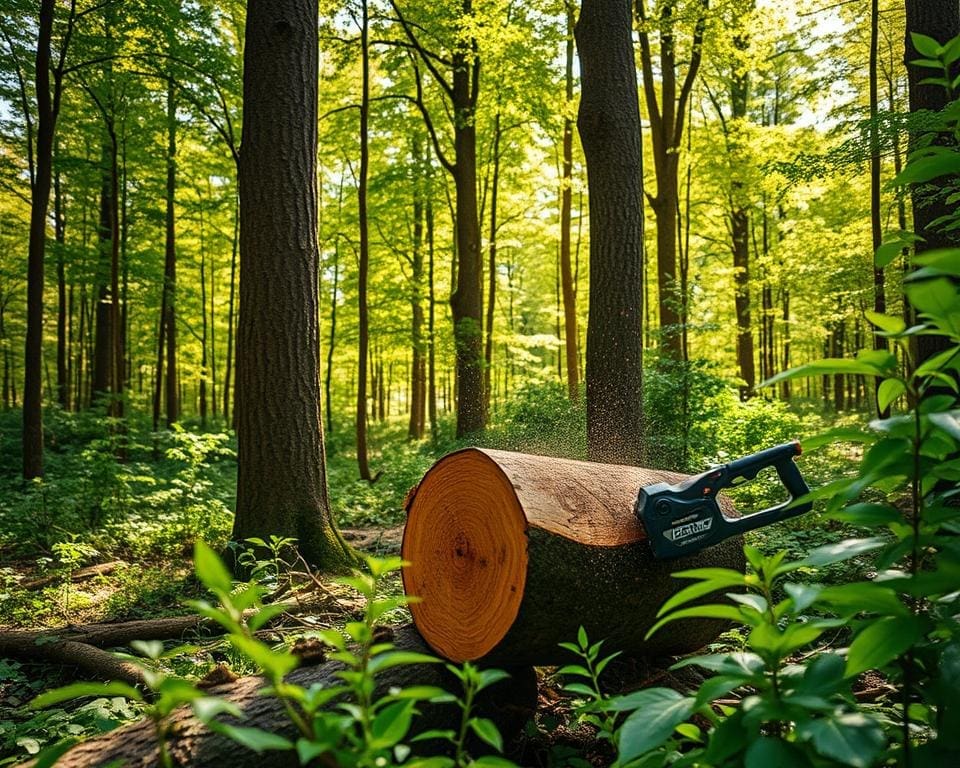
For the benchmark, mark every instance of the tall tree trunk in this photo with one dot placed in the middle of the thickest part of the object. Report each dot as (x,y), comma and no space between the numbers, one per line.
(281,480)
(363,461)
(876,225)
(939,19)
(431,323)
(59,229)
(609,125)
(492,266)
(103,333)
(327,386)
(172,380)
(203,325)
(667,119)
(418,369)
(231,316)
(571,332)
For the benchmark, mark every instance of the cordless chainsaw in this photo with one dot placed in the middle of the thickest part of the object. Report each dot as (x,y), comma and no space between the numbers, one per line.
(683,519)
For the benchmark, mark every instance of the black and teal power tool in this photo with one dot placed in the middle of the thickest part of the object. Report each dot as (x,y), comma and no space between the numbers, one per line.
(683,519)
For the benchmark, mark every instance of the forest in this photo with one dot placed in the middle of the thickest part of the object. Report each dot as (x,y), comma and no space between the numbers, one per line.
(370,371)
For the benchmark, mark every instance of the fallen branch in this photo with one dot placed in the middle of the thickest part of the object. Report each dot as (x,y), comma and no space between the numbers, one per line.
(508,703)
(81,646)
(101,569)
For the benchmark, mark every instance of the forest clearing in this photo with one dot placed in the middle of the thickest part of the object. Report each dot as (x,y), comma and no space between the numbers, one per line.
(480,383)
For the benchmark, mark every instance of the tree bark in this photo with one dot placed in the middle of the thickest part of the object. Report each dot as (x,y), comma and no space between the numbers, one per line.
(281,483)
(364,256)
(609,125)
(171,380)
(667,119)
(418,367)
(509,703)
(47,110)
(60,233)
(538,547)
(571,332)
(491,267)
(939,19)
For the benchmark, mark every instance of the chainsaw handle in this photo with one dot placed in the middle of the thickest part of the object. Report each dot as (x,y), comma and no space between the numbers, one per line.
(781,458)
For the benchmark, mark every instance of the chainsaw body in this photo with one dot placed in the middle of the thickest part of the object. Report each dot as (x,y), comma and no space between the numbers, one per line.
(684,518)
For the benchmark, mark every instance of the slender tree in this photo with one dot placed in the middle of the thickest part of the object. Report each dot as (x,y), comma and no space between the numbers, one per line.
(281,482)
(571,332)
(609,125)
(667,115)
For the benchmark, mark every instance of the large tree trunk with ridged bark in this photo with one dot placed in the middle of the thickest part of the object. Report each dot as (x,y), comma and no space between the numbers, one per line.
(511,553)
(281,483)
(609,125)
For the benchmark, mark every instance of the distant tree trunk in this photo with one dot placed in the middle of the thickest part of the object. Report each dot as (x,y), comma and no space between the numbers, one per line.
(492,266)
(60,233)
(158,379)
(363,461)
(103,333)
(609,125)
(281,481)
(418,368)
(172,381)
(667,118)
(203,325)
(328,389)
(48,109)
(571,332)
(230,317)
(431,324)
(876,225)
(939,19)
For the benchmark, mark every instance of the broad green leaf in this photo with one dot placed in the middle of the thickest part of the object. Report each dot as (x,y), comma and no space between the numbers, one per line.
(943,259)
(274,663)
(252,738)
(926,46)
(492,761)
(652,723)
(391,724)
(863,597)
(802,595)
(936,297)
(728,612)
(948,422)
(490,677)
(81,690)
(50,755)
(851,739)
(886,322)
(772,752)
(888,392)
(867,514)
(881,642)
(210,569)
(487,731)
(265,615)
(208,707)
(843,550)
(713,580)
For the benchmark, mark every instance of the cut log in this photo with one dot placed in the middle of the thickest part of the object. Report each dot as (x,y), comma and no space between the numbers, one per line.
(511,553)
(508,703)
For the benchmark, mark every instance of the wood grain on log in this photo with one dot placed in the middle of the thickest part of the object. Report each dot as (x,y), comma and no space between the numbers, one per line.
(509,703)
(510,553)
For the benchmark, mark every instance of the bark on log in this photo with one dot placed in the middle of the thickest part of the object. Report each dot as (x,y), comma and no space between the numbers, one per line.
(510,553)
(101,569)
(509,703)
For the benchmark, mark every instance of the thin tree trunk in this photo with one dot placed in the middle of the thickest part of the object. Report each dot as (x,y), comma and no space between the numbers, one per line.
(571,332)
(231,316)
(203,325)
(876,225)
(363,461)
(170,264)
(492,266)
(418,389)
(431,323)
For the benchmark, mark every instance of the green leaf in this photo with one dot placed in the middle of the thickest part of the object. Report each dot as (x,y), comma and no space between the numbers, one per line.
(490,677)
(843,550)
(700,612)
(771,752)
(487,731)
(391,724)
(208,707)
(652,723)
(851,739)
(252,738)
(863,597)
(265,615)
(53,753)
(802,595)
(492,761)
(308,750)
(582,637)
(80,690)
(886,322)
(935,298)
(948,422)
(946,260)
(712,580)
(273,663)
(881,642)
(888,391)
(210,569)
(867,514)
(445,735)
(926,46)
(152,649)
